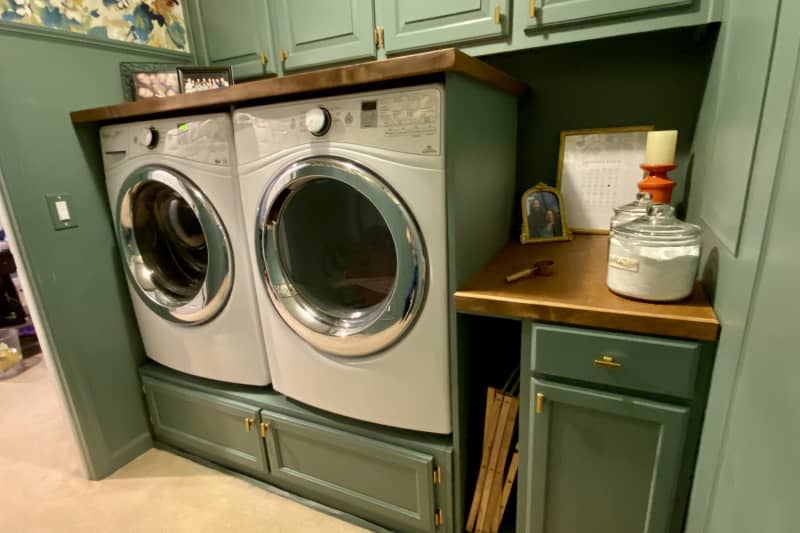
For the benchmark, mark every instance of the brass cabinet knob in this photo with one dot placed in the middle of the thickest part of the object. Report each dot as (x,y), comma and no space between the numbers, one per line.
(607,362)
(498,17)
(539,402)
(283,55)
(533,8)
(263,428)
(248,424)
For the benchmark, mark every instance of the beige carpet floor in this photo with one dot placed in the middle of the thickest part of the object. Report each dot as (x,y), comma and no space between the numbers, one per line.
(42,488)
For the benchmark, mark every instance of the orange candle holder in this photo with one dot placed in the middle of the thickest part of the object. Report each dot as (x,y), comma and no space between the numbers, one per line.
(657,183)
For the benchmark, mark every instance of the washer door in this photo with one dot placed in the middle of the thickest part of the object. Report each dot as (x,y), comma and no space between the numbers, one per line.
(343,258)
(176,251)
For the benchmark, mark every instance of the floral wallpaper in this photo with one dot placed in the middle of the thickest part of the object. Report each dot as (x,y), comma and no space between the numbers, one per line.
(158,23)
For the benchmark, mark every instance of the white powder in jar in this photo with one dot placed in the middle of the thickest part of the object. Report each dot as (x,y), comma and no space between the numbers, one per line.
(655,273)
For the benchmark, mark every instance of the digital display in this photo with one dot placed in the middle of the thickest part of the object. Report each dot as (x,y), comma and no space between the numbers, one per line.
(369,105)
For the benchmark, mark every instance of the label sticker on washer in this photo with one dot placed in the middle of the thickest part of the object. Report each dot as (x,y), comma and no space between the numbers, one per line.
(369,114)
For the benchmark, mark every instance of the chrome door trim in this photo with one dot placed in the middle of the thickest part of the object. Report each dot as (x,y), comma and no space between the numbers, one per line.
(218,283)
(362,332)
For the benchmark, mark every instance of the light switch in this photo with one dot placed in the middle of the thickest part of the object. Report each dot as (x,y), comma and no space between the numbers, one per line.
(61,213)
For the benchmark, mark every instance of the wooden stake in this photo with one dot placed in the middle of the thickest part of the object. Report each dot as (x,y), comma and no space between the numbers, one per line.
(494,459)
(496,482)
(491,417)
(510,477)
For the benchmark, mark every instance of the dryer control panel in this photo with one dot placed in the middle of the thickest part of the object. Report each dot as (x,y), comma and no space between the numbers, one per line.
(400,120)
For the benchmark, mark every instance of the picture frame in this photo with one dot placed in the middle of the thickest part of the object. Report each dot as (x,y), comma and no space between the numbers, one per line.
(598,170)
(543,216)
(133,80)
(199,79)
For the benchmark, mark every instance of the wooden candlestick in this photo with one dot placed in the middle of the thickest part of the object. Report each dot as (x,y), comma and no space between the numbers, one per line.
(657,183)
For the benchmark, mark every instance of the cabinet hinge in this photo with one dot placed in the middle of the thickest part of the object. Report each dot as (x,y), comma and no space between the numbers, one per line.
(438,517)
(378,34)
(437,475)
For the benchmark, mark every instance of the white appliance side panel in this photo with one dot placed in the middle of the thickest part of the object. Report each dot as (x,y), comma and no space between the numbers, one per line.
(398,120)
(230,347)
(405,386)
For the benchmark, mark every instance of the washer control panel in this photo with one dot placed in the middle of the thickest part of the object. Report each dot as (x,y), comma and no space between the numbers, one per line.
(401,120)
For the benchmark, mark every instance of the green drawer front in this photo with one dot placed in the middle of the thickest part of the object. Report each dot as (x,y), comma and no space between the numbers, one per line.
(386,484)
(650,364)
(209,426)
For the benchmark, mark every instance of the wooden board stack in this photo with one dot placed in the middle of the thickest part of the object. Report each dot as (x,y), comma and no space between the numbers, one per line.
(494,479)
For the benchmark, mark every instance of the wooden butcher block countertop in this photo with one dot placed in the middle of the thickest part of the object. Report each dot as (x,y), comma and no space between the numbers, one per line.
(576,294)
(363,74)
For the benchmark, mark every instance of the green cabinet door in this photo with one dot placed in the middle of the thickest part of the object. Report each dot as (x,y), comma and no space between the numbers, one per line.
(383,483)
(223,430)
(316,32)
(600,462)
(237,34)
(553,12)
(414,24)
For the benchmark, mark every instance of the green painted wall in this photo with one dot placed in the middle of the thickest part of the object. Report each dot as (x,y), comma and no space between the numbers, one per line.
(656,78)
(77,277)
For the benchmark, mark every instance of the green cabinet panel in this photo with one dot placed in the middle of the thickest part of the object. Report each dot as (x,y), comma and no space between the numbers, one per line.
(237,34)
(316,32)
(386,484)
(552,12)
(600,462)
(207,425)
(649,364)
(414,24)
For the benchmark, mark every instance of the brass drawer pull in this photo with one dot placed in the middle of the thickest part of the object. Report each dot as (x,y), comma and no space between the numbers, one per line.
(248,424)
(607,362)
(539,402)
(263,428)
(498,17)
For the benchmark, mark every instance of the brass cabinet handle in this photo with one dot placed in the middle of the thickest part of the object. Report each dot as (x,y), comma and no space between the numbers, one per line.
(248,424)
(539,402)
(263,428)
(607,362)
(283,55)
(263,57)
(497,15)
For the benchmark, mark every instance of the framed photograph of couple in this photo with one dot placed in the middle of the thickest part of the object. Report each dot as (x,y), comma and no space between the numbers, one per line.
(543,217)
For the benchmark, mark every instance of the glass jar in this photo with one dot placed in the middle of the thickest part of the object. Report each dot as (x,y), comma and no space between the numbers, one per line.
(10,353)
(654,257)
(632,210)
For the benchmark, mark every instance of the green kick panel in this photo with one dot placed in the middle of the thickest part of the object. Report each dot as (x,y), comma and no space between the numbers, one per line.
(416,24)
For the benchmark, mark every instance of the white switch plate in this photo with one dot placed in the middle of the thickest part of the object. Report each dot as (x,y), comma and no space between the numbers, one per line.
(61,212)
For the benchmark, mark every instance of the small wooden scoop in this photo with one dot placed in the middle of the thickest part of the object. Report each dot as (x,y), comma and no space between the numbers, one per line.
(540,268)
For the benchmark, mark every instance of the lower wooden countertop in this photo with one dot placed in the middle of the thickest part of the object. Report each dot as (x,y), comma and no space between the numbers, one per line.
(576,294)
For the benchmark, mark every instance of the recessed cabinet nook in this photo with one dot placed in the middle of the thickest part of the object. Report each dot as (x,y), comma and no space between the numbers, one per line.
(312,262)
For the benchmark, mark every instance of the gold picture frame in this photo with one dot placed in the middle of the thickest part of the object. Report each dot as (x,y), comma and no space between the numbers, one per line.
(601,219)
(550,224)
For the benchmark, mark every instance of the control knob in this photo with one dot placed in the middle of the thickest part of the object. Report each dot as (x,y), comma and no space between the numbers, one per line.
(318,121)
(147,137)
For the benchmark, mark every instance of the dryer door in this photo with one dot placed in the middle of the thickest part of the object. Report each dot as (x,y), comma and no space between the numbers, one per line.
(343,259)
(176,251)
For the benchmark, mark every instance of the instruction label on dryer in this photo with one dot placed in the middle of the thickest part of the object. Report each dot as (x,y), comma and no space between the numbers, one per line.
(409,114)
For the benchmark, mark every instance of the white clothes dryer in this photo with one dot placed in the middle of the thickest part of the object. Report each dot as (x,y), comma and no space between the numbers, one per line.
(178,222)
(344,198)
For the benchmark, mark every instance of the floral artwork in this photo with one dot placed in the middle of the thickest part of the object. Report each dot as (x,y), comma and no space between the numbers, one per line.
(158,23)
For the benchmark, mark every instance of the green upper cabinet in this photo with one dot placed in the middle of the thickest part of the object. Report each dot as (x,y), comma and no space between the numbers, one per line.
(316,32)
(237,34)
(599,462)
(415,24)
(551,12)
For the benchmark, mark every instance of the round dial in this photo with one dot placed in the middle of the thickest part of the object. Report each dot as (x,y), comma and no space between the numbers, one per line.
(318,121)
(147,137)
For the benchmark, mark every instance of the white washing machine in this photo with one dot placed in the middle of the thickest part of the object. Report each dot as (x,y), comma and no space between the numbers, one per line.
(179,226)
(344,198)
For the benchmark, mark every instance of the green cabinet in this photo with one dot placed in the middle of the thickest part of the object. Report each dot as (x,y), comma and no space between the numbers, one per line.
(414,24)
(237,34)
(316,32)
(552,12)
(386,484)
(600,462)
(220,429)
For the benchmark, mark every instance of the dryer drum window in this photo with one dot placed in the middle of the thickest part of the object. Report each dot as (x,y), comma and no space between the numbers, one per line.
(174,245)
(343,257)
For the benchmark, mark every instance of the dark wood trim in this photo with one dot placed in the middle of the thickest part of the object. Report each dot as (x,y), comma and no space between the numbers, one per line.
(428,63)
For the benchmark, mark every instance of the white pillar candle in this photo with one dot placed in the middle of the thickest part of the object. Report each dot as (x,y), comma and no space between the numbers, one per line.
(661,147)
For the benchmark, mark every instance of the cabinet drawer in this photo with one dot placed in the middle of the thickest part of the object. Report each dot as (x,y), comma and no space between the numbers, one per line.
(383,483)
(209,426)
(650,364)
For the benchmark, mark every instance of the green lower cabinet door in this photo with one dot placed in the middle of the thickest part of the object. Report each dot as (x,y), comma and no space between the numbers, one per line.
(236,34)
(553,12)
(414,24)
(214,428)
(318,32)
(600,462)
(383,483)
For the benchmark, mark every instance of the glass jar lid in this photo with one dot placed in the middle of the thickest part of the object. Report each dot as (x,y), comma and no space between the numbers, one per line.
(638,207)
(659,227)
